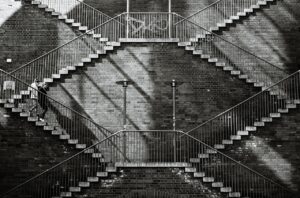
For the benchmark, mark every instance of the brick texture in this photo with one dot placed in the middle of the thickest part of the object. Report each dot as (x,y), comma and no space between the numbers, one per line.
(206,91)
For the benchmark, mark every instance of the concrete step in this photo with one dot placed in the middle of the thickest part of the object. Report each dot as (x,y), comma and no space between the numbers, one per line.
(203,155)
(227,142)
(56,76)
(259,124)
(93,55)
(208,179)
(228,68)
(111,169)
(25,114)
(220,64)
(102,174)
(212,60)
(235,137)
(9,106)
(242,133)
(266,119)
(40,123)
(234,194)
(72,141)
(66,194)
(108,48)
(25,92)
(74,189)
(221,24)
(86,60)
(32,119)
(197,52)
(83,28)
(84,184)
(190,170)
(48,80)
(217,184)
(226,189)
(55,13)
(42,6)
(183,44)
(199,174)
(101,39)
(16,110)
(76,24)
(35,2)
(96,35)
(55,132)
(69,21)
(291,106)
(205,56)
(63,71)
(80,146)
(241,14)
(275,115)
(64,137)
(48,128)
(243,76)
(219,146)
(195,160)
(62,17)
(251,128)
(49,10)
(93,179)
(211,151)
(97,155)
(89,151)
(261,3)
(248,10)
(235,72)
(234,18)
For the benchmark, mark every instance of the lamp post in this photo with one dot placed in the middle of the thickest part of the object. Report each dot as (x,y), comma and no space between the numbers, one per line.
(174,84)
(125,84)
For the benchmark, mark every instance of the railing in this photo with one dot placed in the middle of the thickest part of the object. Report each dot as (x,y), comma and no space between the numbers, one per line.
(72,54)
(158,148)
(59,119)
(81,12)
(261,107)
(229,56)
(219,11)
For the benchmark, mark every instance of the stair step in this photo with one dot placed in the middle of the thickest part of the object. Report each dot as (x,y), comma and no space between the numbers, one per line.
(265,119)
(16,110)
(250,80)
(227,142)
(251,128)
(212,60)
(25,93)
(248,10)
(205,56)
(221,24)
(190,170)
(49,10)
(108,48)
(208,179)
(75,189)
(211,151)
(102,174)
(219,146)
(259,124)
(193,40)
(71,68)
(16,96)
(275,115)
(226,189)
(72,141)
(89,151)
(56,76)
(235,72)
(80,64)
(255,6)
(62,17)
(243,76)
(86,60)
(35,2)
(83,28)
(93,179)
(241,14)
(3,101)
(197,52)
(63,71)
(96,35)
(234,194)
(69,21)
(55,13)
(65,194)
(84,184)
(228,68)
(183,44)
(214,29)
(80,146)
(261,3)
(234,17)
(242,133)
(93,55)
(111,169)
(55,132)
(203,155)
(228,21)
(235,137)
(64,137)
(259,84)
(296,101)
(24,114)
(217,184)
(40,123)
(199,174)
(48,80)
(48,128)
(194,160)
(114,43)
(76,24)
(8,105)
(97,155)
(32,119)
(220,64)
(291,106)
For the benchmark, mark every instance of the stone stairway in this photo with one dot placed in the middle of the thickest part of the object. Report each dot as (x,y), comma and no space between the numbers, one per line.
(75,24)
(220,62)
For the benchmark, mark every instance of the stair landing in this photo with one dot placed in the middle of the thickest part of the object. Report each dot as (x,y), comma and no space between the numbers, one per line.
(152,164)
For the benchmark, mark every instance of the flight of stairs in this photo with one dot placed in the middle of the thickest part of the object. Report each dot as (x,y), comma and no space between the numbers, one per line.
(76,24)
(218,62)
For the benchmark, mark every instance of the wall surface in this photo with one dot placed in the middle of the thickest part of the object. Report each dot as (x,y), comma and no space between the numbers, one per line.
(206,91)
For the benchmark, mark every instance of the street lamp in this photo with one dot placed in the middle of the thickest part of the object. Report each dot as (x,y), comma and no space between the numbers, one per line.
(125,84)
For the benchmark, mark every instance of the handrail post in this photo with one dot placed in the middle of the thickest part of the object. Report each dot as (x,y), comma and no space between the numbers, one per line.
(127,18)
(170,18)
(125,84)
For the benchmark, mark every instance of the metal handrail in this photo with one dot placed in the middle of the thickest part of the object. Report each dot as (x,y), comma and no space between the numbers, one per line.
(243,102)
(55,49)
(227,41)
(189,144)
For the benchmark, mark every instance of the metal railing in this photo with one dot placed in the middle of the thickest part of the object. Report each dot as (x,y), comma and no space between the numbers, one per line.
(72,54)
(228,56)
(60,120)
(81,12)
(148,148)
(240,119)
(220,11)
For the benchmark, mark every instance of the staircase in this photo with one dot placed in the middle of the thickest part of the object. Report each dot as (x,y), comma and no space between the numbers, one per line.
(244,118)
(206,166)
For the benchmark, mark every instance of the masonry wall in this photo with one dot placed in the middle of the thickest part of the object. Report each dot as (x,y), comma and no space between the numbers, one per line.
(26,150)
(272,33)
(29,33)
(205,92)
(273,150)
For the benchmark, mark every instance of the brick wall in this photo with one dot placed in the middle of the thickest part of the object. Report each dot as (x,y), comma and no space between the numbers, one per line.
(28,34)
(272,33)
(26,150)
(273,150)
(206,91)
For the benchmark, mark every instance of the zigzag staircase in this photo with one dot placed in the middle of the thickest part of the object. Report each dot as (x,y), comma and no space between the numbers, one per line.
(244,118)
(71,177)
(77,14)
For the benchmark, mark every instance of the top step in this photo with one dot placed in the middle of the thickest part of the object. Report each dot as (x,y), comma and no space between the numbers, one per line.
(149,40)
(152,165)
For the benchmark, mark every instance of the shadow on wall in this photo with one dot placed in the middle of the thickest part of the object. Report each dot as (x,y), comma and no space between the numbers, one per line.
(272,33)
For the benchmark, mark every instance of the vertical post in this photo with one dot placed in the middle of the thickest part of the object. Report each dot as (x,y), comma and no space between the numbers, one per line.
(174,103)
(170,18)
(125,84)
(127,18)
